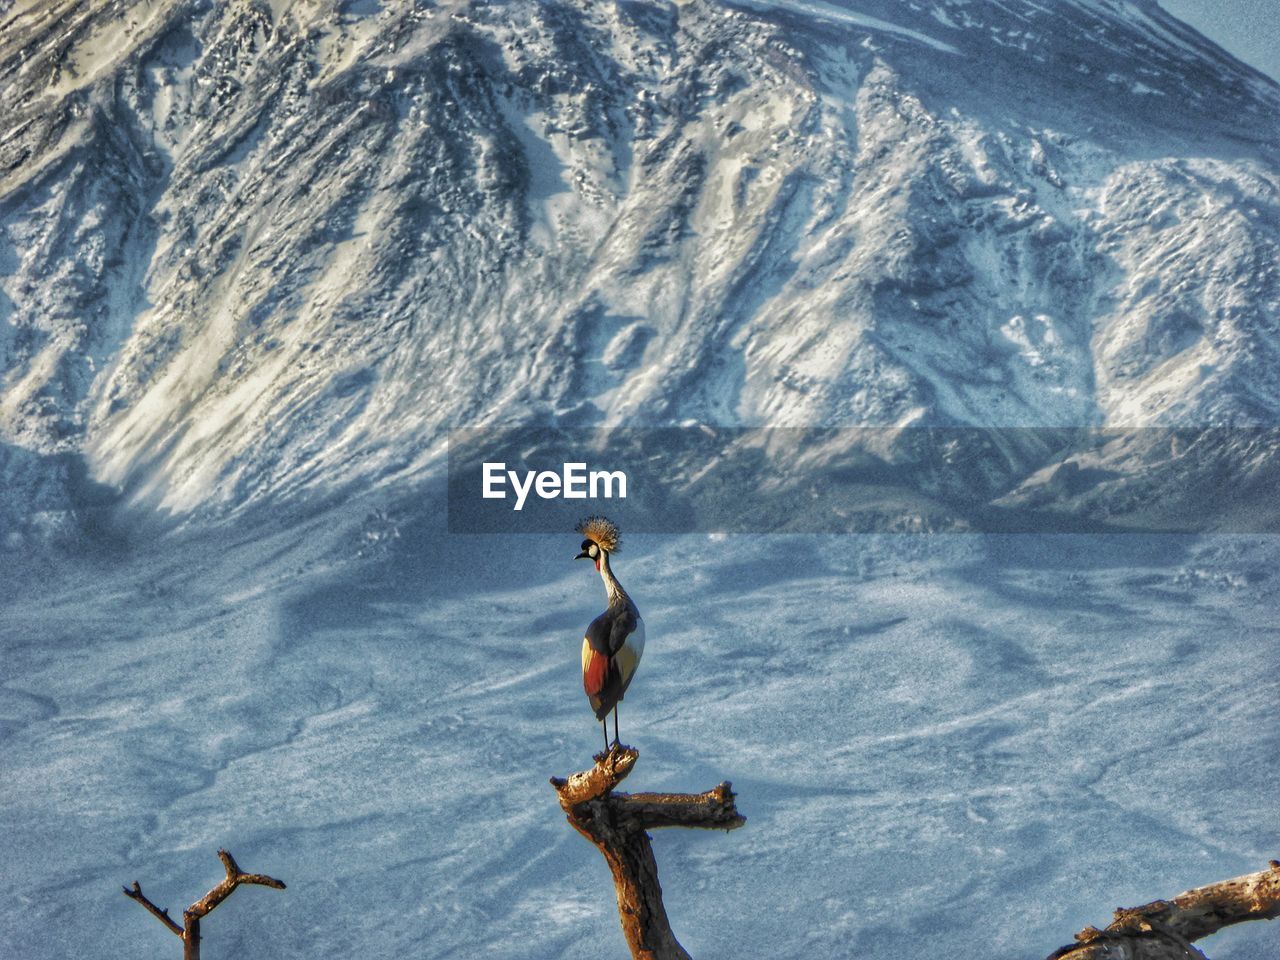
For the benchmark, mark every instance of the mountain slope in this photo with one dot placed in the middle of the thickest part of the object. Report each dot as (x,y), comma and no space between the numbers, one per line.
(256,250)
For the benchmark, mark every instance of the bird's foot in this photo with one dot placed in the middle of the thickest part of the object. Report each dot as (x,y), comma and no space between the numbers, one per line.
(614,748)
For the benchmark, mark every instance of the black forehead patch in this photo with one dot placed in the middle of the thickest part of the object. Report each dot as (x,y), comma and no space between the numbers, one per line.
(587,543)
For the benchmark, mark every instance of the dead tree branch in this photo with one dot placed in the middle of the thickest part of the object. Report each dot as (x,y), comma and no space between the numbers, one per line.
(616,825)
(161,915)
(1166,929)
(189,933)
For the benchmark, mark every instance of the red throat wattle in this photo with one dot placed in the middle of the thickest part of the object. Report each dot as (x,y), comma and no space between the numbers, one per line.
(597,564)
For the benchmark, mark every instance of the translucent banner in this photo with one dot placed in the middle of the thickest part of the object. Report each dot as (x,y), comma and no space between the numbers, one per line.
(867,480)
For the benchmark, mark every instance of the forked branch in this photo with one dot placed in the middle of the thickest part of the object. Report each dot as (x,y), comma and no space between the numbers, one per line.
(189,932)
(1166,929)
(235,876)
(616,823)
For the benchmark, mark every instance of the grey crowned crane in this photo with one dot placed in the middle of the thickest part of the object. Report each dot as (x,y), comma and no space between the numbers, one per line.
(614,642)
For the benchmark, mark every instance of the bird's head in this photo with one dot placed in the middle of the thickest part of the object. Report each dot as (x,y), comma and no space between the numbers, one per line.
(590,551)
(600,538)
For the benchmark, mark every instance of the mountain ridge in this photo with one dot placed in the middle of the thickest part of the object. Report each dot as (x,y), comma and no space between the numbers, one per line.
(259,251)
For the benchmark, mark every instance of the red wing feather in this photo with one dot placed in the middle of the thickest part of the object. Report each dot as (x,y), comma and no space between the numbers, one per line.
(594,676)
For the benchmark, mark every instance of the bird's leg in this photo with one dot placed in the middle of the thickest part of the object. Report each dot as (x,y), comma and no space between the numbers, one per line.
(615,724)
(605,724)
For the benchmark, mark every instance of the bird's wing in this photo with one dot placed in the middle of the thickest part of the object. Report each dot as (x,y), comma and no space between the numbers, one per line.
(622,625)
(595,670)
(599,634)
(628,658)
(597,655)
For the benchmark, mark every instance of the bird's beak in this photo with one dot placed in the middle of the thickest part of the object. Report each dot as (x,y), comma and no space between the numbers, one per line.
(583,556)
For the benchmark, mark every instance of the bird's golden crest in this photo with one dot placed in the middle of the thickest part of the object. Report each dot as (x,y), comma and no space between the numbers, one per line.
(603,531)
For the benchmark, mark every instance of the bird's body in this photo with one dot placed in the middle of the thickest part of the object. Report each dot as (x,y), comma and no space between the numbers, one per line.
(614,641)
(611,651)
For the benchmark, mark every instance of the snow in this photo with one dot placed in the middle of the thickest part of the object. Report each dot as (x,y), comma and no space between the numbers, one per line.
(258,264)
(936,740)
(96,45)
(831,11)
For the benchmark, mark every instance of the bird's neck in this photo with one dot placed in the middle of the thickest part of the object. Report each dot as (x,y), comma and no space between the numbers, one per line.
(611,585)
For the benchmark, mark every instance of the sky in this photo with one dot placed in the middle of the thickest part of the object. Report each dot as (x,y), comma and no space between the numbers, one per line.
(1249,29)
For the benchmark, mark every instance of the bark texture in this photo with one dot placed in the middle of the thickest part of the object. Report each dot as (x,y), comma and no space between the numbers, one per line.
(189,932)
(616,823)
(1166,929)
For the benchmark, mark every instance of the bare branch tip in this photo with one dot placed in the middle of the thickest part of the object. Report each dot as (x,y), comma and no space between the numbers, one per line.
(229,863)
(262,880)
(161,915)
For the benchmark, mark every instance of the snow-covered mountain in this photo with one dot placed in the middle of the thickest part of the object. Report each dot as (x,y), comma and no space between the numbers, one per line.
(254,250)
(261,261)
